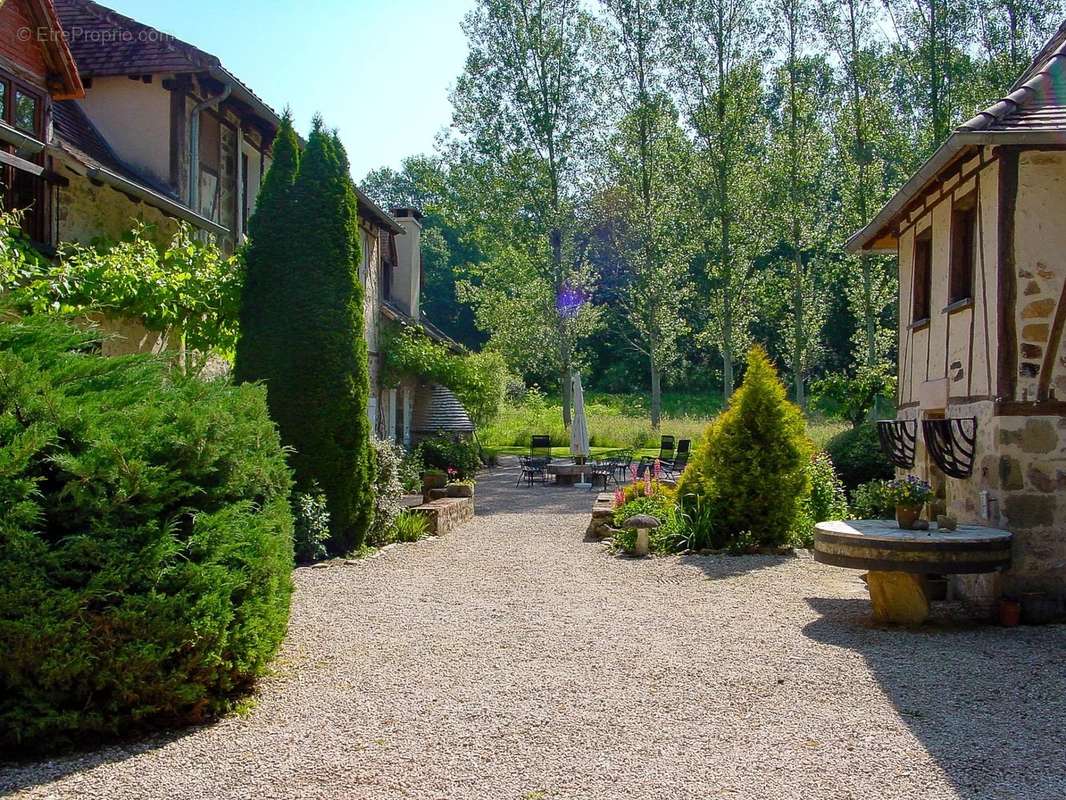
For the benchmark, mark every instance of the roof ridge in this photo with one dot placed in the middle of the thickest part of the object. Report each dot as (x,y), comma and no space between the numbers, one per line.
(1022,93)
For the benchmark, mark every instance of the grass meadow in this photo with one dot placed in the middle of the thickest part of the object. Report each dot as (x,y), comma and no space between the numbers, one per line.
(615,422)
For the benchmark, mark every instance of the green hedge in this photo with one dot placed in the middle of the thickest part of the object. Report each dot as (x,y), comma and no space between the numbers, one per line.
(857,456)
(145,540)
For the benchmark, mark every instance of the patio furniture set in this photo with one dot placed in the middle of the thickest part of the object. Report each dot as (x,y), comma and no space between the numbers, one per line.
(611,467)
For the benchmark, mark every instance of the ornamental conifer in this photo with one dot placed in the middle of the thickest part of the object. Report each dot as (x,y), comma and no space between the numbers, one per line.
(750,470)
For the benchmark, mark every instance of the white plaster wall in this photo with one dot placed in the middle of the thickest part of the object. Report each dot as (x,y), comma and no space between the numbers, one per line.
(134,117)
(1040,258)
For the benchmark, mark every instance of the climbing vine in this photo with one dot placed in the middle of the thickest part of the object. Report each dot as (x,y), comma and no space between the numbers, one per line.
(187,287)
(478,379)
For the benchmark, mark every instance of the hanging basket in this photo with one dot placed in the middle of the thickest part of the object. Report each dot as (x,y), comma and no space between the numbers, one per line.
(898,437)
(951,444)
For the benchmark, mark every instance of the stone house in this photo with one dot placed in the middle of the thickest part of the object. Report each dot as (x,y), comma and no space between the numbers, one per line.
(108,121)
(981,247)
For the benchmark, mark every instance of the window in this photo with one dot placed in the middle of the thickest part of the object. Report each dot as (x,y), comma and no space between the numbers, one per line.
(22,107)
(963,249)
(25,116)
(923,284)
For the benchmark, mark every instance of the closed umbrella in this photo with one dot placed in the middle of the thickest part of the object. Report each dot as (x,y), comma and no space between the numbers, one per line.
(579,430)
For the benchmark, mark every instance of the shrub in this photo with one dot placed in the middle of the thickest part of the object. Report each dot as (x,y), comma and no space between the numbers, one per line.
(870,392)
(410,471)
(388,490)
(408,527)
(751,466)
(873,500)
(314,362)
(310,525)
(857,456)
(145,540)
(826,499)
(450,453)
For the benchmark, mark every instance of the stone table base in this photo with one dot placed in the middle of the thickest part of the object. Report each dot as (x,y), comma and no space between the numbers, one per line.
(898,597)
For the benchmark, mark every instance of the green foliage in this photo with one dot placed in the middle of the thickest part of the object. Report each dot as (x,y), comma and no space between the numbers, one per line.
(826,499)
(478,379)
(408,527)
(145,540)
(188,288)
(909,491)
(751,466)
(857,456)
(872,390)
(410,471)
(314,362)
(266,320)
(459,458)
(311,525)
(667,538)
(873,500)
(388,489)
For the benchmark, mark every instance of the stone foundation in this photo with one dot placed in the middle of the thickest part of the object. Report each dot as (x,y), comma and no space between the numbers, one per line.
(1018,484)
(446,514)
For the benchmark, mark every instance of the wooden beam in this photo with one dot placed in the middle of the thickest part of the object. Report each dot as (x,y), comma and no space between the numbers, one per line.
(1007,278)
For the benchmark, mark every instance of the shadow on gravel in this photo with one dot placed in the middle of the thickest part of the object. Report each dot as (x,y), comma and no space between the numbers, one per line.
(32,772)
(720,567)
(988,703)
(496,493)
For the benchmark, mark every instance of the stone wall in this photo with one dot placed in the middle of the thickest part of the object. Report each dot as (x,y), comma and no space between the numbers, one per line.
(1018,484)
(446,514)
(85,211)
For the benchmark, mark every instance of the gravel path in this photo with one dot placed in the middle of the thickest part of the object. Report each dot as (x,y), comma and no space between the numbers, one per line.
(514,660)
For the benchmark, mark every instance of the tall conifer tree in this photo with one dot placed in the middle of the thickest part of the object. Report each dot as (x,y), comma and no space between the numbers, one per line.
(305,334)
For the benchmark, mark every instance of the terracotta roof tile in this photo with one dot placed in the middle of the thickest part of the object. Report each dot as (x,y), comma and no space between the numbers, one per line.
(105,42)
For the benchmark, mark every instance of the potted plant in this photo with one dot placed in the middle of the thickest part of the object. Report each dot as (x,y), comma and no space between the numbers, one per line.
(434,479)
(909,494)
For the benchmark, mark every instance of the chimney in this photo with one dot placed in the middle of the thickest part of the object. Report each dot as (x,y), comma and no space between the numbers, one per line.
(407,285)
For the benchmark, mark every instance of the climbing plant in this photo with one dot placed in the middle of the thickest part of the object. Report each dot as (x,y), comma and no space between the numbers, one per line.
(188,288)
(478,379)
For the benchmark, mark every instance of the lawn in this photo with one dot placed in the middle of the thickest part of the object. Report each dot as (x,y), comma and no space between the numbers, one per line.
(615,421)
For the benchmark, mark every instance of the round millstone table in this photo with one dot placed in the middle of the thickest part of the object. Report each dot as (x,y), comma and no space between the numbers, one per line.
(896,559)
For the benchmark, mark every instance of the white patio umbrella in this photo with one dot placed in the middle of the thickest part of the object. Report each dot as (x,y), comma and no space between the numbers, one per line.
(579,429)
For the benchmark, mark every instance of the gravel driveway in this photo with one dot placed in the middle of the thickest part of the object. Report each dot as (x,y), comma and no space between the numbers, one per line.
(512,659)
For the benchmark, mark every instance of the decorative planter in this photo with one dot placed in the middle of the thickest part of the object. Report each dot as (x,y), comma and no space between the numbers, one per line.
(460,490)
(433,480)
(906,516)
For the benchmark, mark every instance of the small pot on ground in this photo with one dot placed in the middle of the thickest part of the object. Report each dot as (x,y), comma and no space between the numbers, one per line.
(907,516)
(1010,612)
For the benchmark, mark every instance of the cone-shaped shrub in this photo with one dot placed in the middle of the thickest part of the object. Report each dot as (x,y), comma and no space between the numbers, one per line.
(749,474)
(320,405)
(145,540)
(264,313)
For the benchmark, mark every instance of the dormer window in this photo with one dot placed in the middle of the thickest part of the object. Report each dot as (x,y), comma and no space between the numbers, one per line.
(963,249)
(923,276)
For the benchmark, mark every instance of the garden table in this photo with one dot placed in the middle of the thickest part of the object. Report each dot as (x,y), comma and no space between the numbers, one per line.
(568,473)
(896,559)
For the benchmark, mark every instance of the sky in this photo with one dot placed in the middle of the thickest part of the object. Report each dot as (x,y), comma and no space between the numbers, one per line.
(378,70)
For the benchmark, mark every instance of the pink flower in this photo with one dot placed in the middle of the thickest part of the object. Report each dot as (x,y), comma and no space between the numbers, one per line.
(658,468)
(633,472)
(647,483)
(619,497)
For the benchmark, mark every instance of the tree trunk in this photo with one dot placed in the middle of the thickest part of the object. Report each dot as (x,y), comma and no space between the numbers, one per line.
(656,393)
(567,393)
(727,374)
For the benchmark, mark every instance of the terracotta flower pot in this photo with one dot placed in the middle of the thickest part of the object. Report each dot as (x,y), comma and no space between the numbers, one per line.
(434,480)
(1010,612)
(906,516)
